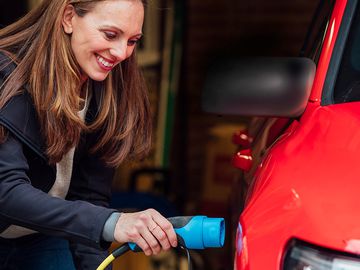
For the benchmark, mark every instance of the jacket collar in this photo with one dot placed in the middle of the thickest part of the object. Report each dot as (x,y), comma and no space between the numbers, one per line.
(18,114)
(20,118)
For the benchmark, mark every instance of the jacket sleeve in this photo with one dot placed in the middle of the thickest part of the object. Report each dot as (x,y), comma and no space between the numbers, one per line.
(26,206)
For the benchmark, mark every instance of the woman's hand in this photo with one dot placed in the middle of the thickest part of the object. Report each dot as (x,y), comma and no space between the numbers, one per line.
(148,229)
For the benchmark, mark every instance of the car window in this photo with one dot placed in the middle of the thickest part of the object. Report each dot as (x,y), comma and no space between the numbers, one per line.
(347,86)
(315,37)
(311,48)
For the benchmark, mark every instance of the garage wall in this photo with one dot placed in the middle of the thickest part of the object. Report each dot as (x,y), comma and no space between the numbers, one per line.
(33,3)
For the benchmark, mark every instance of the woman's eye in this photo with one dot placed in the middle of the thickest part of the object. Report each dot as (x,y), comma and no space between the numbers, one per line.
(132,42)
(110,35)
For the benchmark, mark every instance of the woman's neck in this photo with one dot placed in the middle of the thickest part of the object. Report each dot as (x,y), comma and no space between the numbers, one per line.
(84,87)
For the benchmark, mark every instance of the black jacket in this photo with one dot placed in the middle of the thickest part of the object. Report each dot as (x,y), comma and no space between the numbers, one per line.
(26,177)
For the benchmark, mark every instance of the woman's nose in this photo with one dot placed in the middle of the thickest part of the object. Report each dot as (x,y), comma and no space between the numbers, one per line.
(119,52)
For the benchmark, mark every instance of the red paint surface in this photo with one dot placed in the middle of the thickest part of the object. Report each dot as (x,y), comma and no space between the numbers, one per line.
(307,188)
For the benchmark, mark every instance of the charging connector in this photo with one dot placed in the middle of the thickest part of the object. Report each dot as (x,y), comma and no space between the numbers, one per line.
(193,232)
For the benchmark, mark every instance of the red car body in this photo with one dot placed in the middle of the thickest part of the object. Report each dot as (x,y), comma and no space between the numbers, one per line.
(305,177)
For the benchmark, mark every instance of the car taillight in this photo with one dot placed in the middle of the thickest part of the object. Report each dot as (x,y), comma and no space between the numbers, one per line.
(302,256)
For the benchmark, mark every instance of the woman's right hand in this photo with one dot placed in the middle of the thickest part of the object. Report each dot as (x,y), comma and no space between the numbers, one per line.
(148,229)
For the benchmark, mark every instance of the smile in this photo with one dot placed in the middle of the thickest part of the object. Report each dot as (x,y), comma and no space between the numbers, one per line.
(103,63)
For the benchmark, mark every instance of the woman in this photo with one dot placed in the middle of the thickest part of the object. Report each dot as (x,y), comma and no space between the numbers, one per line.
(72,107)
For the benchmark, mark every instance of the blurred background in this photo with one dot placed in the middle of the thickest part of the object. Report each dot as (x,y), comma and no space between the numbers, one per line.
(188,171)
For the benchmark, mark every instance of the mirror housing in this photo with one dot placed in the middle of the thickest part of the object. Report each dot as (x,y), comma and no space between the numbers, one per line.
(277,87)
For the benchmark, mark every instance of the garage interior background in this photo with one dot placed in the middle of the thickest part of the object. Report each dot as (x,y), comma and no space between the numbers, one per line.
(190,165)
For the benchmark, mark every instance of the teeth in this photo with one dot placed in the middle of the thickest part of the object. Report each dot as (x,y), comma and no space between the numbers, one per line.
(104,62)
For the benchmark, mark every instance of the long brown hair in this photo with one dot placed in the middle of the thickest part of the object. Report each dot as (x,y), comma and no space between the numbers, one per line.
(46,64)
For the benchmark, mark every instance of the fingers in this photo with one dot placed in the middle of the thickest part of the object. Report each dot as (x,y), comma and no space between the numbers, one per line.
(161,237)
(152,242)
(143,245)
(128,230)
(160,228)
(164,229)
(148,229)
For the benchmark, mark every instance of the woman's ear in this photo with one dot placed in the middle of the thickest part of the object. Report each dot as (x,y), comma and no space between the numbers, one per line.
(68,15)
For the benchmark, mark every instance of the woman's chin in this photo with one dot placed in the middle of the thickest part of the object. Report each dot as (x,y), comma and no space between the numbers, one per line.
(98,77)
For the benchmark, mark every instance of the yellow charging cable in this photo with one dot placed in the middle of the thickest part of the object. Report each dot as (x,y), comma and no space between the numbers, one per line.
(116,253)
(124,248)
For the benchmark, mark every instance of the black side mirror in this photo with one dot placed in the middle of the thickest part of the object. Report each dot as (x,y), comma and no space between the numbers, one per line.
(259,87)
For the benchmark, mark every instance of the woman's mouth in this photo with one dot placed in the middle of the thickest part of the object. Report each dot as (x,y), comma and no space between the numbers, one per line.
(104,64)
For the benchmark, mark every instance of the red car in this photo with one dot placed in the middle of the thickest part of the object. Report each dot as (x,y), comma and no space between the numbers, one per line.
(301,155)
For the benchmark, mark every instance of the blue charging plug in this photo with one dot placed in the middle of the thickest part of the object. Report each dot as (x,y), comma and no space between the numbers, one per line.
(196,232)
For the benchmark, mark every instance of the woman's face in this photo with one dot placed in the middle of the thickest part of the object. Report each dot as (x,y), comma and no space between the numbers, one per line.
(105,36)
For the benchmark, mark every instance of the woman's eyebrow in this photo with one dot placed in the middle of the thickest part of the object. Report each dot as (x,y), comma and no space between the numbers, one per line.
(119,29)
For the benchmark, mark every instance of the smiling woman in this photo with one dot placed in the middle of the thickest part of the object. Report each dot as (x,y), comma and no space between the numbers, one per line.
(73,106)
(105,37)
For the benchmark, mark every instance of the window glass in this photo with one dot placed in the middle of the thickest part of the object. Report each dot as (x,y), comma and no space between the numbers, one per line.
(316,34)
(347,86)
(311,48)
